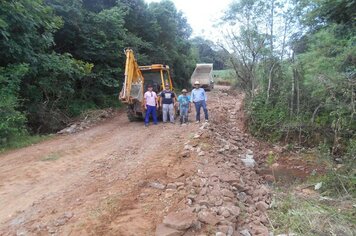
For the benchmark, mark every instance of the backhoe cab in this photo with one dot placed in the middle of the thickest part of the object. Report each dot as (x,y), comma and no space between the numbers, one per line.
(137,78)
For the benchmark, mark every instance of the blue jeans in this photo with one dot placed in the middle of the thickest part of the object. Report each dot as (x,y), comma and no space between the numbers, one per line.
(183,113)
(198,105)
(151,110)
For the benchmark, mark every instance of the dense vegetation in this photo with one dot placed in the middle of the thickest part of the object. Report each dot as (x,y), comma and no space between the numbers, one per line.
(296,62)
(61,57)
(298,68)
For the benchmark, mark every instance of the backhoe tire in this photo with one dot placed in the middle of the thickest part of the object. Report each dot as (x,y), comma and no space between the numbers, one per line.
(131,115)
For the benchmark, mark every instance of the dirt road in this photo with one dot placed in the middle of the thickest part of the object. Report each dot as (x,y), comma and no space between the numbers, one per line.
(116,178)
(73,178)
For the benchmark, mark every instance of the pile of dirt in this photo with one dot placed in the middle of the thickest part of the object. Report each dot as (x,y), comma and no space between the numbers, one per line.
(225,196)
(87,120)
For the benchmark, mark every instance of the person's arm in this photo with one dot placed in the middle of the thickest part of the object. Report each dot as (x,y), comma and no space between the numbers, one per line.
(156,101)
(205,96)
(145,101)
(160,98)
(178,100)
(174,99)
(192,95)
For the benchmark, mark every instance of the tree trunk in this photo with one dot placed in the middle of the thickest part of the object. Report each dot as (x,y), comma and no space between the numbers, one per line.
(353,103)
(272,18)
(284,38)
(298,93)
(292,94)
(269,82)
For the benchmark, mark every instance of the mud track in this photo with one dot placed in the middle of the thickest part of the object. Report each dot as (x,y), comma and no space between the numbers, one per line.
(108,180)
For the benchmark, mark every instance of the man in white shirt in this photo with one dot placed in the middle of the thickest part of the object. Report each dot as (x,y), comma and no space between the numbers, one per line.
(150,103)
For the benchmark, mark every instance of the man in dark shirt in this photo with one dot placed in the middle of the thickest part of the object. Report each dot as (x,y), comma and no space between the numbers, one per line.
(168,100)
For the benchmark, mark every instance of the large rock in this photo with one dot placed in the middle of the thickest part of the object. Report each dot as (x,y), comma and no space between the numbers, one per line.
(163,230)
(180,220)
(171,186)
(248,162)
(207,218)
(229,177)
(245,232)
(204,202)
(227,193)
(261,230)
(262,206)
(157,185)
(234,210)
(227,229)
(220,234)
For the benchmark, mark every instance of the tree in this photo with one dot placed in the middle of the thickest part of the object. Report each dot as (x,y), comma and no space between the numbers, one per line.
(67,55)
(12,122)
(208,52)
(171,45)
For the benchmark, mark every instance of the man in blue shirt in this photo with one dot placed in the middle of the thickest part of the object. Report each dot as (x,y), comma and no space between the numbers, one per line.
(184,106)
(198,97)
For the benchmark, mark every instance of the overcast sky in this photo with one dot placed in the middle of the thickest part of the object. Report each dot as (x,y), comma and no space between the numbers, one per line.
(201,15)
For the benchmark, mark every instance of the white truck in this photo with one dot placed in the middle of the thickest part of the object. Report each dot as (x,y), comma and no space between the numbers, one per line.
(204,74)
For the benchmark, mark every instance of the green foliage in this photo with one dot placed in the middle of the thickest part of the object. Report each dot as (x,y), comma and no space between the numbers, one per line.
(12,122)
(63,57)
(307,216)
(51,93)
(331,11)
(341,181)
(224,77)
(310,95)
(207,52)
(171,45)
(27,29)
(267,120)
(22,140)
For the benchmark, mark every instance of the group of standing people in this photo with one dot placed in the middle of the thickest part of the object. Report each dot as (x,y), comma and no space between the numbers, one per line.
(168,101)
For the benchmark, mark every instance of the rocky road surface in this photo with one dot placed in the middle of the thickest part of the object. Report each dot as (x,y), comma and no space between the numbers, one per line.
(120,178)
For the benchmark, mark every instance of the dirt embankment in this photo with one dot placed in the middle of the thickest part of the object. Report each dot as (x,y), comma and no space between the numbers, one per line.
(119,178)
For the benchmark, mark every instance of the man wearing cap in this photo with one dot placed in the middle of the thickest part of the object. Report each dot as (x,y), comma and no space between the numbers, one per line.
(150,103)
(167,101)
(199,98)
(184,106)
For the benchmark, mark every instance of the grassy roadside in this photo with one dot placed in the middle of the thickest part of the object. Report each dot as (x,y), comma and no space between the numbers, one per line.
(224,77)
(305,213)
(319,205)
(86,117)
(24,141)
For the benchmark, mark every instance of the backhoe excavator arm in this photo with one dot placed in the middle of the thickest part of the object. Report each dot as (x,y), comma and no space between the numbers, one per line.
(133,79)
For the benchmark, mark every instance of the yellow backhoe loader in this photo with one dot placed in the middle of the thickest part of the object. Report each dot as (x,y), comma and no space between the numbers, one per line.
(137,78)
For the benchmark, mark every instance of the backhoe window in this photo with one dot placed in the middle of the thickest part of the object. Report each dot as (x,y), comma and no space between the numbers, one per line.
(153,78)
(166,77)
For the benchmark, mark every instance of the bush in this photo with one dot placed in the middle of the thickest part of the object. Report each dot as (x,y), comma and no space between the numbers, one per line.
(49,96)
(266,120)
(342,180)
(12,121)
